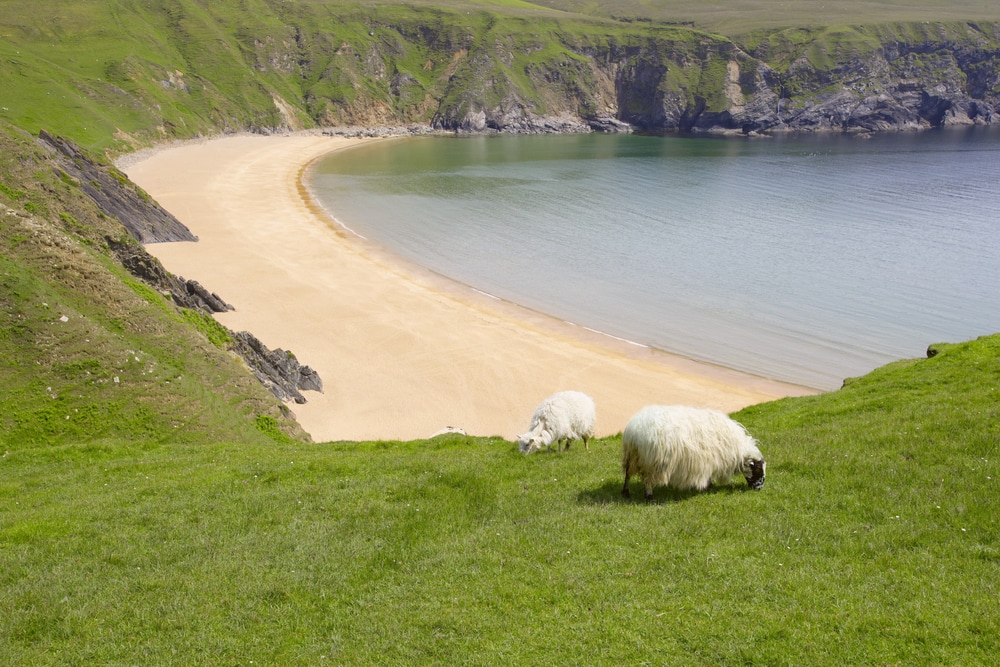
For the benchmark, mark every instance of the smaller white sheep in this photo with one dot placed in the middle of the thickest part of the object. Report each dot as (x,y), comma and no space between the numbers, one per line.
(688,448)
(562,417)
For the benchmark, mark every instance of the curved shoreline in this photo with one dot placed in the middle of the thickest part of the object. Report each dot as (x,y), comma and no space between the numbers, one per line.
(403,352)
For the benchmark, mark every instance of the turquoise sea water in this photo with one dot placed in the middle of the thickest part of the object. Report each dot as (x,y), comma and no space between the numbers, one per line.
(805,259)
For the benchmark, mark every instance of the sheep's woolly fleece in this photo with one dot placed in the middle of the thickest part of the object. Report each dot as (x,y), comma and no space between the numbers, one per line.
(563,417)
(688,448)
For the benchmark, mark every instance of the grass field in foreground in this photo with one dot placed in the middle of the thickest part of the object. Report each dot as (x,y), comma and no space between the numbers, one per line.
(874,541)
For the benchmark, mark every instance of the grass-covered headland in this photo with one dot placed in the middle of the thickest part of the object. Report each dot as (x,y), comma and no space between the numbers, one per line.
(120,74)
(158,506)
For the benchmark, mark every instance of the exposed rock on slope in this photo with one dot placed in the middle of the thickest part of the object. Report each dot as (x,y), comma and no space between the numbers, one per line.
(147,222)
(116,196)
(277,370)
(185,293)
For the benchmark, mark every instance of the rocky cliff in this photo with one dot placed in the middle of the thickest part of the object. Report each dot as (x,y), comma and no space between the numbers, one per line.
(509,75)
(678,81)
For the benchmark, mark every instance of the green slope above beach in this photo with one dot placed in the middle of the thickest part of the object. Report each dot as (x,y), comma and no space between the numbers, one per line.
(874,540)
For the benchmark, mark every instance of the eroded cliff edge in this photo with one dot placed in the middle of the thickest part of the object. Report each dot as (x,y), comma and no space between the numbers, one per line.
(865,79)
(493,74)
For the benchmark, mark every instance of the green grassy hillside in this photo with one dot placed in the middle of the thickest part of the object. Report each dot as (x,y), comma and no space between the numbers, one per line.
(88,352)
(158,506)
(875,540)
(96,72)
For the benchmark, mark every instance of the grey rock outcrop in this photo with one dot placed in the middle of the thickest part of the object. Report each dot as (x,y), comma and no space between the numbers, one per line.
(115,195)
(277,370)
(185,293)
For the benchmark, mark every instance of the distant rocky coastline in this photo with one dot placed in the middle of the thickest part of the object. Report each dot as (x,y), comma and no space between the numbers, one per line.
(860,80)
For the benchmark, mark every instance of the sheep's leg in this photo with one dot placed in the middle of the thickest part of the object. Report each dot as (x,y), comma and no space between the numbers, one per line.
(586,443)
(569,441)
(625,493)
(647,482)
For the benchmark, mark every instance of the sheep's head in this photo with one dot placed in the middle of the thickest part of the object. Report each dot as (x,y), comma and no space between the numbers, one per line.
(532,441)
(753,470)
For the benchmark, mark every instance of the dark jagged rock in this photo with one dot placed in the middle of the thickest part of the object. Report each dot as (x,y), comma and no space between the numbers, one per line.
(609,125)
(116,196)
(277,370)
(211,300)
(185,293)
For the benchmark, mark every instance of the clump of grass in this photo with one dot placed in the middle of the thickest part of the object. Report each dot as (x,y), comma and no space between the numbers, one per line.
(270,427)
(216,334)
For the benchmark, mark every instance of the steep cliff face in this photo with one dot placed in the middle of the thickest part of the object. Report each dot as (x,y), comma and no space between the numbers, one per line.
(869,80)
(145,220)
(681,81)
(492,74)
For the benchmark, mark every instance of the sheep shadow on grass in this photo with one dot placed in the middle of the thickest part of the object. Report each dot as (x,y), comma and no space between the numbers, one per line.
(611,492)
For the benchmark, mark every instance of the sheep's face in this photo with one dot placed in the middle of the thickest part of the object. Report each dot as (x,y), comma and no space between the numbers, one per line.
(532,442)
(753,470)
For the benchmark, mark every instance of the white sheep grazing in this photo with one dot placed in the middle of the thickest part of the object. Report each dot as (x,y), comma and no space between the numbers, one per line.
(562,417)
(688,448)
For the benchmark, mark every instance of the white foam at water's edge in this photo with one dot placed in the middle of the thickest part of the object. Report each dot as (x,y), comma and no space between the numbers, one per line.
(613,337)
(567,322)
(486,294)
(318,201)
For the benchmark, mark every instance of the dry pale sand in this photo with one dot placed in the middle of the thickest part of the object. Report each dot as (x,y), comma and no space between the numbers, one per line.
(402,353)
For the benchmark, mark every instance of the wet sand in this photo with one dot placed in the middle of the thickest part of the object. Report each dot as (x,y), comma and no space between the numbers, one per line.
(402,352)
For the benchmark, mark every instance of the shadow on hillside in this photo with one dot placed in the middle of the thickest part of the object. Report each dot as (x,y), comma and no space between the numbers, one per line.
(611,492)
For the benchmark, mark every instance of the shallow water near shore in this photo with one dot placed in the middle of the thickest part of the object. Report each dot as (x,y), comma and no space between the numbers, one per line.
(802,259)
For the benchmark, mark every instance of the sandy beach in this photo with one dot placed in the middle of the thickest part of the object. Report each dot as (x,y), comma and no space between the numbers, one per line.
(402,353)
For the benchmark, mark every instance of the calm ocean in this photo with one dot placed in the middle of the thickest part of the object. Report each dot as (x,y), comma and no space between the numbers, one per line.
(805,259)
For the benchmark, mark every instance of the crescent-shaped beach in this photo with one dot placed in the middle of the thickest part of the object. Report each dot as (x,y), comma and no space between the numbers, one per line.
(403,353)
